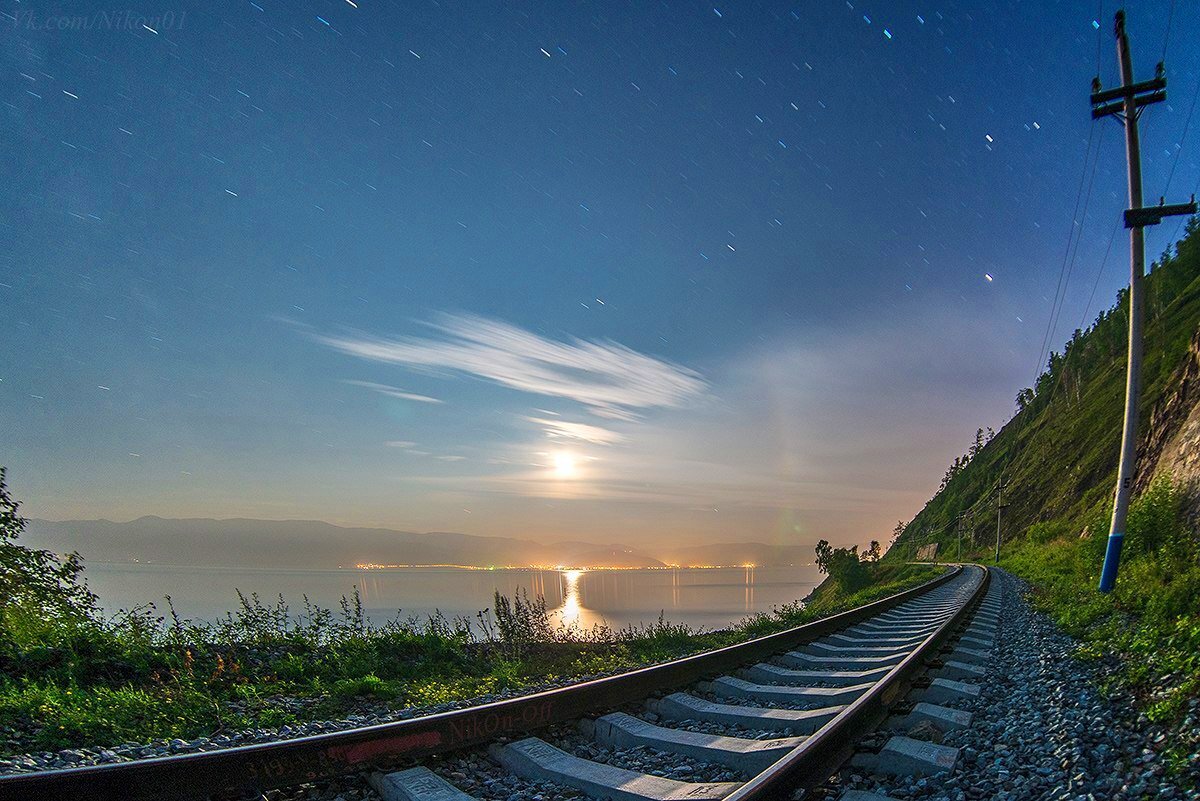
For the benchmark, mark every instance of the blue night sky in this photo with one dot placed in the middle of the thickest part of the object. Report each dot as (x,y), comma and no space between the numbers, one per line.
(627,272)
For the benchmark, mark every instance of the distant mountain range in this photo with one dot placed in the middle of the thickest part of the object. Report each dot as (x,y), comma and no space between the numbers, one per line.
(312,544)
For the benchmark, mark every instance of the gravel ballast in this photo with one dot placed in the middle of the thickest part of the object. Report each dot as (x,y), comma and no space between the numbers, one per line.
(1042,729)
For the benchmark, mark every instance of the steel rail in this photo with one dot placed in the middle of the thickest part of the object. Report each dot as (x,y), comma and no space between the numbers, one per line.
(246,770)
(815,759)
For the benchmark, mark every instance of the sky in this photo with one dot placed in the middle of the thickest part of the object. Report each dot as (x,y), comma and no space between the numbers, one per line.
(638,273)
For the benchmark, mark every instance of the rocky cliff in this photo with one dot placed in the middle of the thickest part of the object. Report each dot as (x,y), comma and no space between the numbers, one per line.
(1171,444)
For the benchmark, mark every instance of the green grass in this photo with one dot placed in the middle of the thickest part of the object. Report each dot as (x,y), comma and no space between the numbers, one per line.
(1150,623)
(99,682)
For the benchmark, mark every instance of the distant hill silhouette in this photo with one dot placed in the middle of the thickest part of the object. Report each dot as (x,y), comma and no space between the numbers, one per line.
(313,544)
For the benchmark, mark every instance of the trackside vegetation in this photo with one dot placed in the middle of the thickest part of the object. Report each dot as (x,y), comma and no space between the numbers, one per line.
(1058,457)
(72,676)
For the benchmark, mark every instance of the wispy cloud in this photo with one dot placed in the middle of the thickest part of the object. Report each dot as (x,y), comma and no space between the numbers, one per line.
(564,429)
(607,377)
(399,443)
(394,392)
(611,413)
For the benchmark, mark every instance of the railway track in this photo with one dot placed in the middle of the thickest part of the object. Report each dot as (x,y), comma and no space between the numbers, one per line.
(779,713)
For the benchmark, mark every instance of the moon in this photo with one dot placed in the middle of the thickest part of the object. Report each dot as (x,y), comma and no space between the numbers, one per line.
(564,465)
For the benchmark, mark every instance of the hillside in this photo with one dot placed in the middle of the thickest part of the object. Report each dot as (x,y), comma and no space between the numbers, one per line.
(1058,454)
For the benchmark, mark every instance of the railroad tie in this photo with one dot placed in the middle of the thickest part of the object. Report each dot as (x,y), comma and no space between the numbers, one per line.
(943,718)
(874,628)
(416,784)
(979,643)
(904,756)
(959,670)
(941,691)
(972,656)
(766,673)
(820,648)
(866,640)
(796,659)
(619,730)
(810,697)
(533,758)
(682,706)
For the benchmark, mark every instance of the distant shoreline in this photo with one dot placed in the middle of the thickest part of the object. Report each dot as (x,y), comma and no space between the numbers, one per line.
(383,568)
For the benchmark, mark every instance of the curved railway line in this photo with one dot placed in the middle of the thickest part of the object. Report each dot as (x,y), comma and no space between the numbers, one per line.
(810,693)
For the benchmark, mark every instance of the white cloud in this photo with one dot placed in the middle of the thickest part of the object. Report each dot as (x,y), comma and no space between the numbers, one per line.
(394,392)
(564,429)
(607,377)
(399,443)
(611,413)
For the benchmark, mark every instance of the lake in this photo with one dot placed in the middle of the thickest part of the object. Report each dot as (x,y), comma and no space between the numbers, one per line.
(708,597)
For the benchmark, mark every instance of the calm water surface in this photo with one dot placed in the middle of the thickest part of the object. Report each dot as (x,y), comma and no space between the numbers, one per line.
(712,597)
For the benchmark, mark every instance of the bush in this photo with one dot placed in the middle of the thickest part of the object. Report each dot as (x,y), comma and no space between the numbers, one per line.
(844,566)
(1048,531)
(1156,526)
(36,587)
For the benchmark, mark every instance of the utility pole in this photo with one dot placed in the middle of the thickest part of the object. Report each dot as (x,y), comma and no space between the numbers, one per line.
(961,515)
(1000,504)
(1126,103)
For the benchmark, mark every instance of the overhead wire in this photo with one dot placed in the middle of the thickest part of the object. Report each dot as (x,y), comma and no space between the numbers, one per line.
(1187,124)
(1062,271)
(1079,237)
(1167,35)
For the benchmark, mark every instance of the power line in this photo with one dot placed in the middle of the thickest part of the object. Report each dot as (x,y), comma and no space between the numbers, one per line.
(1182,222)
(1167,36)
(1066,254)
(1182,139)
(1088,308)
(1078,238)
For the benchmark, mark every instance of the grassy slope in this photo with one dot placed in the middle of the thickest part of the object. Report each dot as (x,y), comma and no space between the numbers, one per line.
(1059,458)
(136,680)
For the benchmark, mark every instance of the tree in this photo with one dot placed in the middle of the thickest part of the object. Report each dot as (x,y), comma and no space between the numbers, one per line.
(824,554)
(874,552)
(1024,399)
(36,584)
(977,445)
(843,565)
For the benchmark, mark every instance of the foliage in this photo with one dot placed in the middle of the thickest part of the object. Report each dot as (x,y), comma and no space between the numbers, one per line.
(36,584)
(844,565)
(1151,620)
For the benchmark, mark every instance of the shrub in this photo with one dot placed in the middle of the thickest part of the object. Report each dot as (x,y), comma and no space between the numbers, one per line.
(1048,530)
